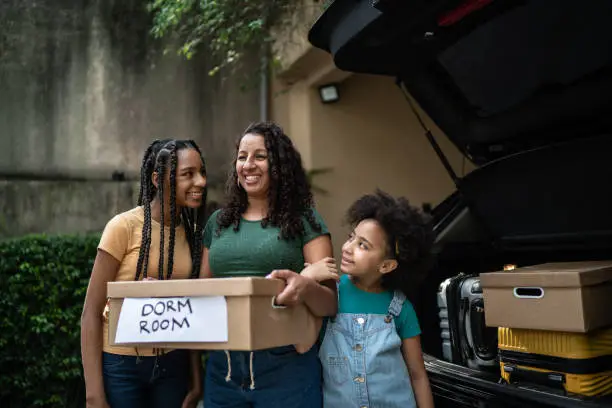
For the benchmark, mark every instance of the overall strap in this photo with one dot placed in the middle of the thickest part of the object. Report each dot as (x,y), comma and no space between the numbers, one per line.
(333,318)
(395,308)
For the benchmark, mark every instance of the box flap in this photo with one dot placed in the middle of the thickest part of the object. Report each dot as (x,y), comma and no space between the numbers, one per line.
(560,275)
(250,286)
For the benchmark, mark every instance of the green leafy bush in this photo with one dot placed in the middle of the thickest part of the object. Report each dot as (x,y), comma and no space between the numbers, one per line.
(44,280)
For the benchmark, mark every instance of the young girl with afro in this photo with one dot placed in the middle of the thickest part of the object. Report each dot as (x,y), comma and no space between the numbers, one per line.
(371,351)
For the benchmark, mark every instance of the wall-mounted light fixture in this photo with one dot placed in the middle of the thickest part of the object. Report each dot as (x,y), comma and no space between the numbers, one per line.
(329,93)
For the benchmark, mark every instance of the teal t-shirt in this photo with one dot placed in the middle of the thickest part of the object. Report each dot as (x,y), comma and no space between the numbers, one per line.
(354,300)
(254,250)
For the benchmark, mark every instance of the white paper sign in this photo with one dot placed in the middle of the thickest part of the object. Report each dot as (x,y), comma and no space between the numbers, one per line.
(177,319)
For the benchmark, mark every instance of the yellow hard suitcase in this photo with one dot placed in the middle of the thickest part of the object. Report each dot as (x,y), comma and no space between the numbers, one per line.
(580,363)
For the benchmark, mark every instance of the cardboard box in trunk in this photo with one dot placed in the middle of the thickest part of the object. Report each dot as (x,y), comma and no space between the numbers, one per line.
(253,323)
(570,297)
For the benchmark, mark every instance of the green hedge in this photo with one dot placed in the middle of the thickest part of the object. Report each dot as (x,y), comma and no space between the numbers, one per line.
(44,280)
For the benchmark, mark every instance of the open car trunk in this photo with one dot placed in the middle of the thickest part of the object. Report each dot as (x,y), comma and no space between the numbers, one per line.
(524,90)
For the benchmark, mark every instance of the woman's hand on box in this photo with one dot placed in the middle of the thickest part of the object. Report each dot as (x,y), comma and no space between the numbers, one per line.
(323,270)
(297,286)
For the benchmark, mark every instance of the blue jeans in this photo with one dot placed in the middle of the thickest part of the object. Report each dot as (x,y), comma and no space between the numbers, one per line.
(273,378)
(146,382)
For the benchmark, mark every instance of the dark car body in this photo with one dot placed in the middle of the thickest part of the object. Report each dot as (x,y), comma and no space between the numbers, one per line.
(524,90)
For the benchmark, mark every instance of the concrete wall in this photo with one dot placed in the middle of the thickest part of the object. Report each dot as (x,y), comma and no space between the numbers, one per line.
(83,90)
(60,206)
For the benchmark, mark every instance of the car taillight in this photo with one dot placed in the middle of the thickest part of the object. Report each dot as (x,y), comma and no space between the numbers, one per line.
(459,13)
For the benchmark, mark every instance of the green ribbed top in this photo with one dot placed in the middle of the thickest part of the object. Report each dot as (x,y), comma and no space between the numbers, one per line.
(254,250)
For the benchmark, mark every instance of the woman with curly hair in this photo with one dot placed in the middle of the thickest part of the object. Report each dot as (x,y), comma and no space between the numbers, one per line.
(268,225)
(371,351)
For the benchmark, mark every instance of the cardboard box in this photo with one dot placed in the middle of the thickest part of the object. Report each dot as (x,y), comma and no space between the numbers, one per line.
(253,323)
(570,297)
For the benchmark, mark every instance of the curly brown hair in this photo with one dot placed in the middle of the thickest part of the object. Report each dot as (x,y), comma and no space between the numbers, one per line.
(409,235)
(289,195)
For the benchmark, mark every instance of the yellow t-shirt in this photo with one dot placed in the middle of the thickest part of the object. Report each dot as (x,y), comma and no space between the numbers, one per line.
(121,238)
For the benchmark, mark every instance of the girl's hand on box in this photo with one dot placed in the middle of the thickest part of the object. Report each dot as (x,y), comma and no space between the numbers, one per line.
(325,269)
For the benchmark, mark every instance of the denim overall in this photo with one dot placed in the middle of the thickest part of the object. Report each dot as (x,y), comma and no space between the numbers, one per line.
(363,365)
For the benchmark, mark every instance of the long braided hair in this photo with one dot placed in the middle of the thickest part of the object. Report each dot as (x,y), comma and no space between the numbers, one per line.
(161,157)
(289,195)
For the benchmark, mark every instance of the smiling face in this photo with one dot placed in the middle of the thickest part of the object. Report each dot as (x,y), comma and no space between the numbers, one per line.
(365,254)
(252,166)
(190,179)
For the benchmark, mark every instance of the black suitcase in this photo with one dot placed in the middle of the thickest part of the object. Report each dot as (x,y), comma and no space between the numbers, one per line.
(465,338)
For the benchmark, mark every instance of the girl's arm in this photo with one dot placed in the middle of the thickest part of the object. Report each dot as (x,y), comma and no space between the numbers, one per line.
(413,356)
(205,271)
(104,270)
(321,298)
(195,388)
(194,395)
(321,271)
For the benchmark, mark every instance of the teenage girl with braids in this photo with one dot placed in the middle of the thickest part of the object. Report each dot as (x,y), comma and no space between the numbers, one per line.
(135,246)
(268,224)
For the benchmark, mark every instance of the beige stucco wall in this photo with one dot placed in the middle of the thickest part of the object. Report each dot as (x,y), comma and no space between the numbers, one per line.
(370,139)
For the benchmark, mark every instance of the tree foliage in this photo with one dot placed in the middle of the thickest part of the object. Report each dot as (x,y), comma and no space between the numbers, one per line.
(44,283)
(224,28)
